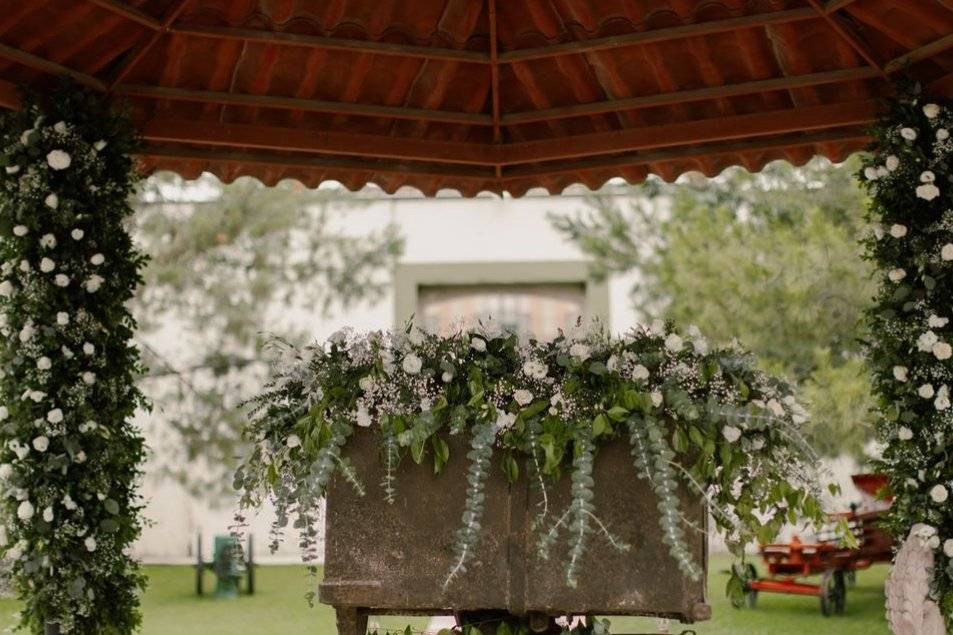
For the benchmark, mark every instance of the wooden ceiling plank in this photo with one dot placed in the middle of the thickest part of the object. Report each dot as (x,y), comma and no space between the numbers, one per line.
(928,50)
(643,158)
(845,34)
(836,5)
(308,105)
(46,66)
(296,140)
(698,131)
(10,97)
(318,163)
(327,43)
(129,12)
(142,49)
(684,96)
(659,35)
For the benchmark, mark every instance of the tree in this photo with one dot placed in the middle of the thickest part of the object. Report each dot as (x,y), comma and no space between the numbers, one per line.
(229,262)
(771,259)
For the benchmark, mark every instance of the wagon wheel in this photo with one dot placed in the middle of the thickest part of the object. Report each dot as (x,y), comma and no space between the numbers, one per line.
(833,593)
(750,597)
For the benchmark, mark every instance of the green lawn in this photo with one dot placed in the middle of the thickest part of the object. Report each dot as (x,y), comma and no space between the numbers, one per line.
(171,608)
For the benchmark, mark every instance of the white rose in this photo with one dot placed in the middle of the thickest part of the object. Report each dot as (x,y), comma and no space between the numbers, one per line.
(937,322)
(446,377)
(523,397)
(58,160)
(504,421)
(412,364)
(21,230)
(947,252)
(579,351)
(640,372)
(69,503)
(25,510)
(52,201)
(54,416)
(942,401)
(6,471)
(363,417)
(6,288)
(892,162)
(908,133)
(366,383)
(932,111)
(775,407)
(62,318)
(656,399)
(77,234)
(44,363)
(942,350)
(25,265)
(89,378)
(90,544)
(928,191)
(657,327)
(25,137)
(48,514)
(904,433)
(22,451)
(926,341)
(898,230)
(942,134)
(478,344)
(293,441)
(99,145)
(48,241)
(97,259)
(674,343)
(900,373)
(612,364)
(871,174)
(927,176)
(60,127)
(47,265)
(4,413)
(939,494)
(12,169)
(757,443)
(731,433)
(926,391)
(88,348)
(948,548)
(80,457)
(37,395)
(93,283)
(896,275)
(61,280)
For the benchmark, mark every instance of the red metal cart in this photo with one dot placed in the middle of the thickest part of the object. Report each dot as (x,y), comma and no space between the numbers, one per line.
(789,564)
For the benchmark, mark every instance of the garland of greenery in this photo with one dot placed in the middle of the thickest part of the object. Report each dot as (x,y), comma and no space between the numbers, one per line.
(70,457)
(910,181)
(709,419)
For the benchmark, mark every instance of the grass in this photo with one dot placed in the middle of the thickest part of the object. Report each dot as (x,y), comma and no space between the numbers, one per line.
(171,608)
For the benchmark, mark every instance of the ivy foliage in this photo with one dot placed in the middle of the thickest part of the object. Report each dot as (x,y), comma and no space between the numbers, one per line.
(706,420)
(910,181)
(70,456)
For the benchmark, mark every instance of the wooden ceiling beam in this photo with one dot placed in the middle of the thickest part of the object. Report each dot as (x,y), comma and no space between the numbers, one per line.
(331,44)
(846,34)
(307,105)
(836,5)
(296,140)
(46,66)
(129,12)
(684,96)
(692,132)
(143,48)
(852,136)
(317,163)
(928,50)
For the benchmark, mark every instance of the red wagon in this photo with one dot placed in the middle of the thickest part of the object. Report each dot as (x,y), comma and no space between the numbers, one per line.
(790,564)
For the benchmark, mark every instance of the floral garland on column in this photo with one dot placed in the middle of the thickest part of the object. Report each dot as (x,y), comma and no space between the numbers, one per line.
(911,183)
(69,459)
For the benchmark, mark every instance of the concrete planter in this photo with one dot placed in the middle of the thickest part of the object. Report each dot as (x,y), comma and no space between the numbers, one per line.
(393,559)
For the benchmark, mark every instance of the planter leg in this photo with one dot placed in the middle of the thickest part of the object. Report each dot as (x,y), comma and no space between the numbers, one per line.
(351,621)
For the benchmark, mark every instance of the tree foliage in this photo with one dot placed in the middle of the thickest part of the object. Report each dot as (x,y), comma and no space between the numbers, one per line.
(230,261)
(771,259)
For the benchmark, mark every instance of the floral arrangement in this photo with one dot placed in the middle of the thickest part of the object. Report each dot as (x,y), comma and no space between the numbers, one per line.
(69,457)
(908,176)
(705,418)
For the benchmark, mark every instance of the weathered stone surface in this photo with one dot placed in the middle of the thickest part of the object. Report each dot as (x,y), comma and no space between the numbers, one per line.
(394,558)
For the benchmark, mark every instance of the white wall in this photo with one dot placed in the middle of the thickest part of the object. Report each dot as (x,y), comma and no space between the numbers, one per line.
(485,229)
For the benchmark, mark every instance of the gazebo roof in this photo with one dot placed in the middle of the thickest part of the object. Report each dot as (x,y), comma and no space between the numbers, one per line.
(481,95)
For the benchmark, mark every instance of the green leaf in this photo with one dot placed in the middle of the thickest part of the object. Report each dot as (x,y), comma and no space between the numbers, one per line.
(511,468)
(111,506)
(598,368)
(618,413)
(441,453)
(601,425)
(679,440)
(417,449)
